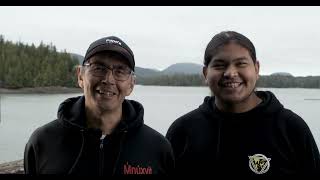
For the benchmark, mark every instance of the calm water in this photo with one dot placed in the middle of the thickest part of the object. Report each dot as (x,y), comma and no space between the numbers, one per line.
(21,114)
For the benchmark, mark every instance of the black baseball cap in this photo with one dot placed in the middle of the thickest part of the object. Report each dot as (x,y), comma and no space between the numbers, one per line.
(110,43)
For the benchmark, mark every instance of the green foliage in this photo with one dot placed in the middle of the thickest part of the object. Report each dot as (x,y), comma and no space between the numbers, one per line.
(278,81)
(273,81)
(29,66)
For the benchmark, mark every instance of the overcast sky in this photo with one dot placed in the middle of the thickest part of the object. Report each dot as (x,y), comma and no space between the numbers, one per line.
(286,38)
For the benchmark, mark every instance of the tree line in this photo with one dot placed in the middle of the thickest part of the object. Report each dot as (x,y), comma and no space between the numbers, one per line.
(279,81)
(23,65)
(268,81)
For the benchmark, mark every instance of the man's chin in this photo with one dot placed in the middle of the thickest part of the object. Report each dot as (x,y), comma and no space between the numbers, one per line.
(104,106)
(232,99)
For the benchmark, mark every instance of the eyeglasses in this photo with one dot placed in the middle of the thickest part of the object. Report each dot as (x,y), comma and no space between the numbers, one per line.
(119,72)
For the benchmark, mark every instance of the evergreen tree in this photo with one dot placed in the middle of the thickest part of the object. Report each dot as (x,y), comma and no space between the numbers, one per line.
(30,66)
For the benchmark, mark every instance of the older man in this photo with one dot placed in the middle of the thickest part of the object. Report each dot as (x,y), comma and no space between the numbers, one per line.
(100,132)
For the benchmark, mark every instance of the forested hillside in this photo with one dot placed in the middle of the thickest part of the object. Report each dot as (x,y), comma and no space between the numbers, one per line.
(24,65)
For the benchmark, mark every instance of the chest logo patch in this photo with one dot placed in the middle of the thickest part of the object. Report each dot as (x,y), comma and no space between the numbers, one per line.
(259,163)
(130,169)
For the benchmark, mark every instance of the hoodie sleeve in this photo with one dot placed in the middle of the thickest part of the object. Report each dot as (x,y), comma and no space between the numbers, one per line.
(305,146)
(177,139)
(29,159)
(169,161)
(311,159)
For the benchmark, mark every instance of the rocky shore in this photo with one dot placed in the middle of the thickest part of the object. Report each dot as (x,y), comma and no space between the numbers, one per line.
(14,167)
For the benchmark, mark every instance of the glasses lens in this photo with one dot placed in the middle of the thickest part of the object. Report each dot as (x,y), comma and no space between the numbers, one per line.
(120,73)
(98,70)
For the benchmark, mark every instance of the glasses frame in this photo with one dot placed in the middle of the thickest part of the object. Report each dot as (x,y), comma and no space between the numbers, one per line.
(87,64)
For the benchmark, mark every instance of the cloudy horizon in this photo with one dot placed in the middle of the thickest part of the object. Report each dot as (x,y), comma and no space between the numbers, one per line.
(285,37)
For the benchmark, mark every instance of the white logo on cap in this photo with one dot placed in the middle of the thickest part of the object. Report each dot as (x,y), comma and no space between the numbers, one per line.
(113,41)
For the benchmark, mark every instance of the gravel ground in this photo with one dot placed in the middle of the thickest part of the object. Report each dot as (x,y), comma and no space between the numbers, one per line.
(14,167)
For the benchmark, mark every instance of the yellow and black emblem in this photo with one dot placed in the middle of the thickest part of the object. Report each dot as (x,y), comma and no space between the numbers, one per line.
(259,163)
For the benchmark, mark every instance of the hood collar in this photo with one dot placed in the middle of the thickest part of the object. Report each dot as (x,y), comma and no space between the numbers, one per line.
(269,104)
(71,113)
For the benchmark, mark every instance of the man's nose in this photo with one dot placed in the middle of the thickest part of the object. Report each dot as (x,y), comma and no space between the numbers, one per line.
(109,78)
(231,71)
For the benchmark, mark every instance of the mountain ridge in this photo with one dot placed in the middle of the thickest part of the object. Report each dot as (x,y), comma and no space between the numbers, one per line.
(186,68)
(177,68)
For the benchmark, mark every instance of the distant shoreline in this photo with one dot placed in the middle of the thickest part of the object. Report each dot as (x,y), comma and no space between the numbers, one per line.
(41,90)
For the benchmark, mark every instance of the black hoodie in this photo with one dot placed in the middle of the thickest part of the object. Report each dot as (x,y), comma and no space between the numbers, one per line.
(268,140)
(67,146)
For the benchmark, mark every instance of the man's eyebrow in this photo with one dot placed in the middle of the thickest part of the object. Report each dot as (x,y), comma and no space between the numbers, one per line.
(240,58)
(218,60)
(121,65)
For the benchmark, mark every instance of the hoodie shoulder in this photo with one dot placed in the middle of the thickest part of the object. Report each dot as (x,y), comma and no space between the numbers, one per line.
(188,118)
(292,121)
(193,121)
(197,117)
(46,131)
(285,118)
(154,135)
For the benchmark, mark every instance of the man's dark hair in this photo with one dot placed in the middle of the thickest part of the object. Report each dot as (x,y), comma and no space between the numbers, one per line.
(226,37)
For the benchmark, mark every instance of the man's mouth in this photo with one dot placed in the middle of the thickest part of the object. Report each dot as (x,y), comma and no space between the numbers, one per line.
(230,84)
(107,93)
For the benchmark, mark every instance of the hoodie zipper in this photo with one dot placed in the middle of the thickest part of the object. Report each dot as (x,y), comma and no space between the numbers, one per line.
(119,152)
(101,155)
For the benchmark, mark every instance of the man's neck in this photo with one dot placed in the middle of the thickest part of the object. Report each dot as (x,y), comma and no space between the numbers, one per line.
(251,102)
(107,121)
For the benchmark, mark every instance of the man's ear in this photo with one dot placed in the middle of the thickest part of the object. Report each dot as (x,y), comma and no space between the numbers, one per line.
(80,76)
(131,85)
(257,68)
(133,81)
(204,72)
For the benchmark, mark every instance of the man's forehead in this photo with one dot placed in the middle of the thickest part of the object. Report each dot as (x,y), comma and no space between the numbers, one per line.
(234,59)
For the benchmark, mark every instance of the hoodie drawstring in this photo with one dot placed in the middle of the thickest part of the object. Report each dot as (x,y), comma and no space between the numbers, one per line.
(80,152)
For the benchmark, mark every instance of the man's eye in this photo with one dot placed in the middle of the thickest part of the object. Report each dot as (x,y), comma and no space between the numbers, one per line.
(120,71)
(218,66)
(241,63)
(98,67)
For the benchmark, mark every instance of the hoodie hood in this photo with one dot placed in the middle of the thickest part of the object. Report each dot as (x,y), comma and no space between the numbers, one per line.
(270,104)
(71,113)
